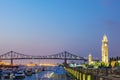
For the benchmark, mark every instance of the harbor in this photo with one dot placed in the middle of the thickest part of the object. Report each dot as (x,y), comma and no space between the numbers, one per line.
(59,73)
(39,73)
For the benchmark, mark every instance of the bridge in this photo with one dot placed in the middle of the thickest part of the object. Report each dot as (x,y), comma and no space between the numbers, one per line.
(62,56)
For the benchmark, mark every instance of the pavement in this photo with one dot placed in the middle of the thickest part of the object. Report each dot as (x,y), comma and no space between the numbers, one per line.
(111,77)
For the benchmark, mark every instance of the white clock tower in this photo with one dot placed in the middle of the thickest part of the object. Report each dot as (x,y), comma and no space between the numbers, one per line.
(105,49)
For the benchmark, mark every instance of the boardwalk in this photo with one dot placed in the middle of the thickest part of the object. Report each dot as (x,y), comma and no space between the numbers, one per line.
(92,74)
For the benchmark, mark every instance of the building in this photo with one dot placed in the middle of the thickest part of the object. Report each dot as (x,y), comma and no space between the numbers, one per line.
(89,59)
(105,49)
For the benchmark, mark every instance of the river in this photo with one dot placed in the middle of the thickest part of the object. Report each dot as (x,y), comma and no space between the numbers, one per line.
(46,73)
(43,75)
(51,73)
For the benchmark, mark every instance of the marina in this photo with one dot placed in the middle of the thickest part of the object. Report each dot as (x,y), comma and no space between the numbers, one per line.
(50,73)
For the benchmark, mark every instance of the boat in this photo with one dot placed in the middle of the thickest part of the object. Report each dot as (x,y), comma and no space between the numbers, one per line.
(19,75)
(28,72)
(43,69)
(35,70)
(6,74)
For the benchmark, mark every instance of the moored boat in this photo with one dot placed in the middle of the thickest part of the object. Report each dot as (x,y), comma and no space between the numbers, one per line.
(19,75)
(6,74)
(28,72)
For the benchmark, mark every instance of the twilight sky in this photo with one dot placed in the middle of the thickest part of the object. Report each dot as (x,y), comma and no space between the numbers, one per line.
(43,27)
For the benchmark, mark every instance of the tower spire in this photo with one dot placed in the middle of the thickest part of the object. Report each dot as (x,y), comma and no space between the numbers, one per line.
(105,38)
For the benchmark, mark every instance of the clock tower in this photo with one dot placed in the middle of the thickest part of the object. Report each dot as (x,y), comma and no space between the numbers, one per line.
(105,49)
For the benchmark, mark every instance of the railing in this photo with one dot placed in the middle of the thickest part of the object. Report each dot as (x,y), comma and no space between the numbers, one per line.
(89,74)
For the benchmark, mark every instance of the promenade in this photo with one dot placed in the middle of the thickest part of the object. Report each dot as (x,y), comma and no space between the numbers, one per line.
(92,74)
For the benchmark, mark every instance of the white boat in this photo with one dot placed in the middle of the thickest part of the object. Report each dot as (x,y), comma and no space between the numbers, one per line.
(19,75)
(6,74)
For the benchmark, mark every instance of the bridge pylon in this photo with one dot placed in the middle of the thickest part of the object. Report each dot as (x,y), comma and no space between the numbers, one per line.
(65,60)
(11,60)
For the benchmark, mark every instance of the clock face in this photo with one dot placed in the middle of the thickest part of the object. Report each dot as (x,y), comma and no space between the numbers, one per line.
(105,44)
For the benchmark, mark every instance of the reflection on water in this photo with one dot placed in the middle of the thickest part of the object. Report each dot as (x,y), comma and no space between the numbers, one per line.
(36,77)
(50,73)
(43,75)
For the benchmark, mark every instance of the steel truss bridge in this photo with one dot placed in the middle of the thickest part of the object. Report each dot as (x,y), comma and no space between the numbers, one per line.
(62,56)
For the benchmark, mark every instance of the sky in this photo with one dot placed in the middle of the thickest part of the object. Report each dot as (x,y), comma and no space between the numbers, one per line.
(45,27)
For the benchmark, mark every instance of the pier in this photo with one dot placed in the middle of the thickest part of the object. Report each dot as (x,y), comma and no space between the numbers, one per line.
(92,74)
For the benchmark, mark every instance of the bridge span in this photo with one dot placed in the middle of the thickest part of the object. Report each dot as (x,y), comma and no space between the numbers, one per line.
(12,55)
